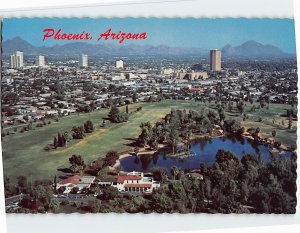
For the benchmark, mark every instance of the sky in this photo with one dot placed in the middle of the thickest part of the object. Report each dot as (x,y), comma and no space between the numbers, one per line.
(177,32)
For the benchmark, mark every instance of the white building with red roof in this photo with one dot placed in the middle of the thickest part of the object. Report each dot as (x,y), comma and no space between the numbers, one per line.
(136,182)
(75,181)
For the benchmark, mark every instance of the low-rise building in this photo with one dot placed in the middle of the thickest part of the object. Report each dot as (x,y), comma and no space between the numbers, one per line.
(75,181)
(133,182)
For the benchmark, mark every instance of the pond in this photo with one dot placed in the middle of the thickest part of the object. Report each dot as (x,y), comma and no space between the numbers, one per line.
(204,152)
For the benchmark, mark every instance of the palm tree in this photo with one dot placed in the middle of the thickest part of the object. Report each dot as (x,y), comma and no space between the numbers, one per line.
(174,172)
(173,138)
(188,138)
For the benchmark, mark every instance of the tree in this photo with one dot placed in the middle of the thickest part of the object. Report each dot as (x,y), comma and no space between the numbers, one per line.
(232,126)
(109,193)
(7,187)
(245,192)
(78,132)
(77,163)
(177,190)
(43,194)
(221,114)
(290,122)
(134,97)
(55,142)
(127,109)
(55,183)
(262,103)
(147,134)
(230,106)
(54,205)
(116,116)
(63,140)
(160,174)
(22,184)
(94,206)
(174,172)
(110,158)
(92,105)
(240,106)
(113,114)
(257,130)
(88,127)
(161,201)
(173,137)
(213,117)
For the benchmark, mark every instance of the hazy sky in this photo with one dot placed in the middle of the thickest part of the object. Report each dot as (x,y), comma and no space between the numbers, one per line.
(203,33)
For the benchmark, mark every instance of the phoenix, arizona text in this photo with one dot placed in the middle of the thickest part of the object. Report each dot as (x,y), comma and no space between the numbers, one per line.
(51,33)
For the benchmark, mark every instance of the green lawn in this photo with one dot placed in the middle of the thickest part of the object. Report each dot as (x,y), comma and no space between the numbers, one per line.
(23,153)
(275,111)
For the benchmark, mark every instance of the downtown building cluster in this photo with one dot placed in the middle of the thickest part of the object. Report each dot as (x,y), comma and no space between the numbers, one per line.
(33,89)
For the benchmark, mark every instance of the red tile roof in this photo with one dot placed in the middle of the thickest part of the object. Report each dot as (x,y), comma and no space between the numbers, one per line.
(72,180)
(121,179)
(196,89)
(138,185)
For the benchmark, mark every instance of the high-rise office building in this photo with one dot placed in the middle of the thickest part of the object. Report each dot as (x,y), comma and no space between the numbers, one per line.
(83,61)
(17,60)
(215,60)
(40,60)
(120,64)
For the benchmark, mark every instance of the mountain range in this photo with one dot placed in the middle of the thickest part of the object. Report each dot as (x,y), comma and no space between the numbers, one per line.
(252,48)
(249,49)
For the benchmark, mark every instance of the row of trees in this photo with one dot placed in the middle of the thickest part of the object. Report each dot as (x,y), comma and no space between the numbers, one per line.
(78,132)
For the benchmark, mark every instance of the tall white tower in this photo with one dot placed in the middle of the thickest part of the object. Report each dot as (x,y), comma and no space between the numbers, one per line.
(215,60)
(120,64)
(40,60)
(83,61)
(17,60)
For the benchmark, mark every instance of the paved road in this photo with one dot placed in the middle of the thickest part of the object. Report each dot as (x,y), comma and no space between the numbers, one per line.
(73,198)
(76,198)
(15,126)
(12,199)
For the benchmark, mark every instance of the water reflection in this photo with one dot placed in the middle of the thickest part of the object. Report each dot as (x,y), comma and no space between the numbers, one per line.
(205,150)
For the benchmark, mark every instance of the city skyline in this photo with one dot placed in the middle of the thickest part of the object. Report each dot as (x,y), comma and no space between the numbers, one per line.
(212,33)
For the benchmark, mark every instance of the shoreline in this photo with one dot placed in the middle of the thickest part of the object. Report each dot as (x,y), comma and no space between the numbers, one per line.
(193,138)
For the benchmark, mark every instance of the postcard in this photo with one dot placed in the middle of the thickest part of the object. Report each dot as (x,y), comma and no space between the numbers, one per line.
(149,115)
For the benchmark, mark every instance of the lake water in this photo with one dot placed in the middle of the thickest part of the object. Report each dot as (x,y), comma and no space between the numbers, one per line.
(205,151)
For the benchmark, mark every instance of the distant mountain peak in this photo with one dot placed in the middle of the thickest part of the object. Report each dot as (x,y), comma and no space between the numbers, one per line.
(17,44)
(251,42)
(253,49)
(227,46)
